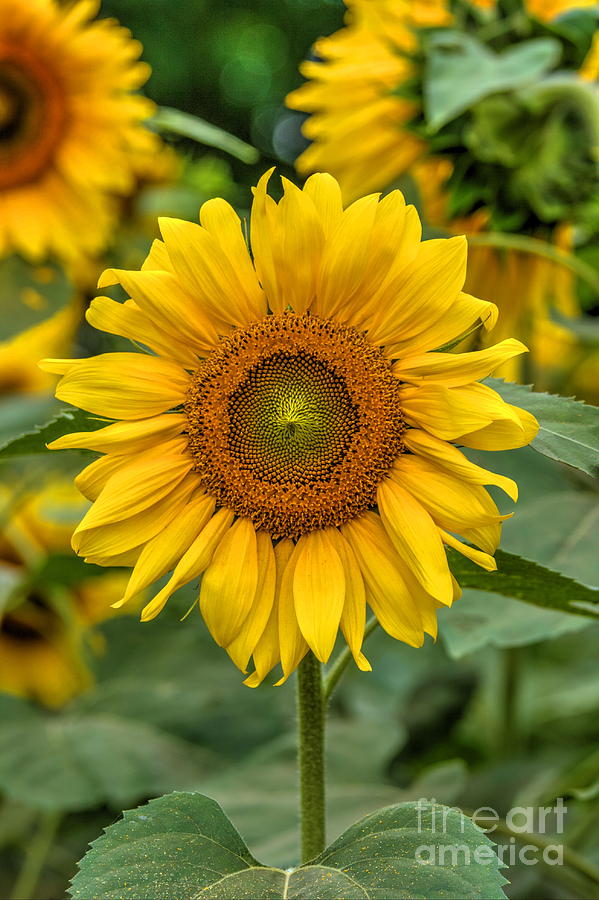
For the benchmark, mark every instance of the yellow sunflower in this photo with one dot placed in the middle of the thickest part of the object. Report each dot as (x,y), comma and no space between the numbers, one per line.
(520,160)
(70,125)
(19,356)
(359,111)
(44,628)
(291,435)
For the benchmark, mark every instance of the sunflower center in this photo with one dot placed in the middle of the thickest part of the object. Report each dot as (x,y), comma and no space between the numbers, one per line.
(293,422)
(32,116)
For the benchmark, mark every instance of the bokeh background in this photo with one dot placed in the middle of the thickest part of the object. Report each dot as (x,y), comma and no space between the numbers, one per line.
(501,711)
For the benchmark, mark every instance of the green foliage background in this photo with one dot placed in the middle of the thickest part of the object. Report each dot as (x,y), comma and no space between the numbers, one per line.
(500,711)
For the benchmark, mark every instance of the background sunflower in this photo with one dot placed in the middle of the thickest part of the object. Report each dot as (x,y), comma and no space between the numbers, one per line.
(493,109)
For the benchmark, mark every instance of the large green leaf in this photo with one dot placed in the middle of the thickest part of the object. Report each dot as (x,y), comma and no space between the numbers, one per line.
(183,845)
(557,528)
(34,441)
(64,763)
(30,295)
(527,580)
(460,71)
(569,429)
(22,413)
(481,619)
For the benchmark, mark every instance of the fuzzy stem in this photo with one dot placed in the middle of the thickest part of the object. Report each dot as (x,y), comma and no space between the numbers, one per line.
(35,856)
(311,728)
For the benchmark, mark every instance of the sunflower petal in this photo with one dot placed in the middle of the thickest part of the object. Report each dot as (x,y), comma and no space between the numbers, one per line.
(124,385)
(244,645)
(415,538)
(455,369)
(193,562)
(230,581)
(318,591)
(449,458)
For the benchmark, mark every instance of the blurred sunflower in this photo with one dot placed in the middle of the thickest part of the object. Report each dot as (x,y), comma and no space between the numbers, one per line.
(491,106)
(287,398)
(19,356)
(44,626)
(71,126)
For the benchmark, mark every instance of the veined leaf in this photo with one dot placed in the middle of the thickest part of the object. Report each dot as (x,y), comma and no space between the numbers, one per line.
(460,71)
(89,760)
(569,429)
(183,845)
(33,442)
(529,581)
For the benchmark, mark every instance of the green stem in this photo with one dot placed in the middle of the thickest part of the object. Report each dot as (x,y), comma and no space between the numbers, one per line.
(35,856)
(341,663)
(509,724)
(311,727)
(537,247)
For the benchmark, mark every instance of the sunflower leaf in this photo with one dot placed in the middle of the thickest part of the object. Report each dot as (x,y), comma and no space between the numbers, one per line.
(34,441)
(183,845)
(569,428)
(461,71)
(529,581)
(89,760)
(176,122)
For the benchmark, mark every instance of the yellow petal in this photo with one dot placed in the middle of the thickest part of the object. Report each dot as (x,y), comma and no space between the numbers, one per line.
(164,551)
(129,321)
(353,617)
(345,257)
(119,537)
(505,434)
(449,413)
(415,538)
(195,561)
(124,385)
(454,369)
(246,641)
(453,503)
(292,644)
(426,290)
(91,480)
(388,594)
(220,219)
(145,479)
(267,651)
(297,251)
(448,457)
(466,313)
(264,235)
(175,312)
(205,272)
(124,436)
(325,193)
(481,559)
(229,584)
(318,591)
(157,258)
(486,537)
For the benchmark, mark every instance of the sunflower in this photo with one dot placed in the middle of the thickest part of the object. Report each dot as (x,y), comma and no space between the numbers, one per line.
(45,627)
(70,126)
(291,434)
(19,371)
(518,158)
